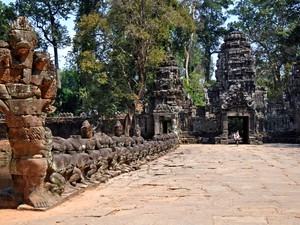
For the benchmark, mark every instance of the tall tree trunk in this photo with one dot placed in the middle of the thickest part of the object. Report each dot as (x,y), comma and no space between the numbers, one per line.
(188,48)
(54,43)
(187,58)
(207,63)
(56,63)
(131,112)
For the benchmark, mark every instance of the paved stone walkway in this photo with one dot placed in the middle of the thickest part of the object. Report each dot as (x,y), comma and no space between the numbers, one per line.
(195,184)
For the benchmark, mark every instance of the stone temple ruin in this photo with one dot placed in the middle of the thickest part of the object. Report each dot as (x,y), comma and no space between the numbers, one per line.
(46,169)
(169,109)
(283,117)
(235,95)
(233,103)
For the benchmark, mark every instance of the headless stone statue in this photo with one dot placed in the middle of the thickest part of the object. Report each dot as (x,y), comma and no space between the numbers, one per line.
(119,148)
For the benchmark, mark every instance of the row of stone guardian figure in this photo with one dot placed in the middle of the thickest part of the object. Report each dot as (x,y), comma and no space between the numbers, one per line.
(95,157)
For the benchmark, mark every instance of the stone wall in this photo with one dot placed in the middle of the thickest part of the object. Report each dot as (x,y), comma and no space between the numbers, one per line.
(283,117)
(60,126)
(90,158)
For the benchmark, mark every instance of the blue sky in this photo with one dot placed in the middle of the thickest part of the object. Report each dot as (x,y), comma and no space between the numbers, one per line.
(62,52)
(70,24)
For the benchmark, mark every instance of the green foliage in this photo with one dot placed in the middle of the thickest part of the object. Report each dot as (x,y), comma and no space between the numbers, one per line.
(195,87)
(7,15)
(68,98)
(118,47)
(92,35)
(273,29)
(210,16)
(235,124)
(46,17)
(90,66)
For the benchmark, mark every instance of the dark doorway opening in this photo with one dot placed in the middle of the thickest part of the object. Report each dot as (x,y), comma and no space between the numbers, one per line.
(166,125)
(241,124)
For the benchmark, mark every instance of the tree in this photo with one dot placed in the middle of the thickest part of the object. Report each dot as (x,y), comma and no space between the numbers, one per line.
(195,88)
(7,15)
(68,99)
(273,30)
(122,47)
(209,18)
(91,46)
(91,26)
(46,16)
(90,49)
(143,33)
(184,44)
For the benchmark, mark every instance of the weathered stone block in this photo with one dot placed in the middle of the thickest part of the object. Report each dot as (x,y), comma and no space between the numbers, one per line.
(17,90)
(3,92)
(15,75)
(29,167)
(25,120)
(26,75)
(4,75)
(37,77)
(49,87)
(41,61)
(28,147)
(27,106)
(5,57)
(3,107)
(32,133)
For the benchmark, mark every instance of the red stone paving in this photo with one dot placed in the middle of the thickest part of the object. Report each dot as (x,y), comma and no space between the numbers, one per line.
(195,184)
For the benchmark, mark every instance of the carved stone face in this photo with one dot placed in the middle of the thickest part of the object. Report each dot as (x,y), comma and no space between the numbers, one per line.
(22,40)
(5,62)
(22,53)
(138,130)
(5,57)
(119,131)
(22,32)
(41,61)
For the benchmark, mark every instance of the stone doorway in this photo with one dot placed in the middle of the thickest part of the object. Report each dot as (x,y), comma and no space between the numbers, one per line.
(166,126)
(241,124)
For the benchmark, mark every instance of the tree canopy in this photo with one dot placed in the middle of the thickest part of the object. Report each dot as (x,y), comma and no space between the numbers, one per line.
(7,15)
(118,45)
(273,29)
(120,48)
(46,16)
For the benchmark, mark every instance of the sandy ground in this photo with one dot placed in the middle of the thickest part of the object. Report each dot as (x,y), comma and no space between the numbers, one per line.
(195,184)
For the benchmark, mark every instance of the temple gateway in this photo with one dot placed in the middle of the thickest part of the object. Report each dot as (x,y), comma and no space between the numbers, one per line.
(46,168)
(235,103)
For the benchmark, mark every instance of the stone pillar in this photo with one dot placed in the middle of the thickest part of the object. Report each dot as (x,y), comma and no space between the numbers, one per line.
(27,92)
(252,130)
(224,136)
(174,121)
(157,125)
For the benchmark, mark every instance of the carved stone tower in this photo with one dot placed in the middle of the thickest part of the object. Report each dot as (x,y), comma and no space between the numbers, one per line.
(171,106)
(232,99)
